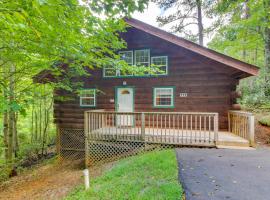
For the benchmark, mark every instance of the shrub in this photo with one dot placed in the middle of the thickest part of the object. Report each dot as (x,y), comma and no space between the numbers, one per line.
(265,120)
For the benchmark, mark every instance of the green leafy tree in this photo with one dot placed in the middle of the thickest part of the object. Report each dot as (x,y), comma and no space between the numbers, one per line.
(37,33)
(244,34)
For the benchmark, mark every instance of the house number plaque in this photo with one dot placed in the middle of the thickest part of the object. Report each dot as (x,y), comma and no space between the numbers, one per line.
(184,94)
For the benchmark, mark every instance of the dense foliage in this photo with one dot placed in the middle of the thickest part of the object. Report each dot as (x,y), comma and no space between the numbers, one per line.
(37,35)
(244,34)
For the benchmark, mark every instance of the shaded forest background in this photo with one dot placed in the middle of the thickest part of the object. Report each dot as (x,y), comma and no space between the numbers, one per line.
(34,36)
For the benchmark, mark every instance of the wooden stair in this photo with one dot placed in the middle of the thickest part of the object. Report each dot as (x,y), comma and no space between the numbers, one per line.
(227,139)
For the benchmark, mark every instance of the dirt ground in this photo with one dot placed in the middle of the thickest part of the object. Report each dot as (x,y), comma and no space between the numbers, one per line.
(50,181)
(262,133)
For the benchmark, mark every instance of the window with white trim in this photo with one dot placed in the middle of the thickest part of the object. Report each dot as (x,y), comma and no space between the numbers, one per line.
(128,57)
(109,72)
(88,97)
(142,57)
(161,64)
(164,97)
(113,72)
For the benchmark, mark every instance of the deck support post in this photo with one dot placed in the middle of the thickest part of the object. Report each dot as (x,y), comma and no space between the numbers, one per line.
(143,126)
(216,128)
(86,132)
(58,142)
(251,125)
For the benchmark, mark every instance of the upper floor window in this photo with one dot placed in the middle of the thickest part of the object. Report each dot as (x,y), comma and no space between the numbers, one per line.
(161,62)
(142,57)
(138,58)
(88,97)
(127,56)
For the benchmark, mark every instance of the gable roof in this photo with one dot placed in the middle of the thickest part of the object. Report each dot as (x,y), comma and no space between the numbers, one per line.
(221,58)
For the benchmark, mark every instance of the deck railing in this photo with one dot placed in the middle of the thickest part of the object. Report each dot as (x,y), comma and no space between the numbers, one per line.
(242,124)
(153,127)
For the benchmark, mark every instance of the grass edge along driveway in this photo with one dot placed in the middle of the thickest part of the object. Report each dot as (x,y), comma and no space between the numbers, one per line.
(152,175)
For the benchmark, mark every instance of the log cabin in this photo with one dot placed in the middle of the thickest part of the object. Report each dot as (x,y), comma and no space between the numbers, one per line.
(194,92)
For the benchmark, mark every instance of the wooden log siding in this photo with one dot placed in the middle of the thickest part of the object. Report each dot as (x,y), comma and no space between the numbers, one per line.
(208,84)
(155,127)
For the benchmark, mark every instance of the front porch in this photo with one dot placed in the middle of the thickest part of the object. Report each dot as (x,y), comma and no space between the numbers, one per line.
(171,128)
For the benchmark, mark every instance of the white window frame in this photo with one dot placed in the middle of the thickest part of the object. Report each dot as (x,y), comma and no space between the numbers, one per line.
(118,74)
(94,97)
(149,56)
(166,57)
(172,97)
(104,72)
(132,57)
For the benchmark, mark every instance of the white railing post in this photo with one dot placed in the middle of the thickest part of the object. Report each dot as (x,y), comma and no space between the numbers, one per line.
(216,127)
(251,125)
(143,126)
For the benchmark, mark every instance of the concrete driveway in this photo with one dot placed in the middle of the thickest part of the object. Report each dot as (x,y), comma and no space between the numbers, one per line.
(208,174)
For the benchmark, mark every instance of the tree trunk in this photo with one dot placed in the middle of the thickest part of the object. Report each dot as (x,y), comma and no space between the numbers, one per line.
(15,136)
(11,125)
(267,61)
(32,124)
(267,46)
(200,23)
(5,130)
(5,118)
(246,16)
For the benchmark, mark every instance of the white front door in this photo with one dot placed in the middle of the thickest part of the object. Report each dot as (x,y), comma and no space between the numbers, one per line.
(125,98)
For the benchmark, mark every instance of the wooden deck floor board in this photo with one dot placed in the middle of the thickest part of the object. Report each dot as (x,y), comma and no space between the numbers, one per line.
(168,136)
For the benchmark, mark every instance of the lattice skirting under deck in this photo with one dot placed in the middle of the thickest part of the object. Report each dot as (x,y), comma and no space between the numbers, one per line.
(71,146)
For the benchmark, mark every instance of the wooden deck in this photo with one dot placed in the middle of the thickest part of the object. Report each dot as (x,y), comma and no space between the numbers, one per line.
(169,136)
(178,128)
(111,135)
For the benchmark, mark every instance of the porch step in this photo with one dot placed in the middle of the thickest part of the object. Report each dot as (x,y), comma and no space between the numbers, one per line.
(229,139)
(233,143)
(235,147)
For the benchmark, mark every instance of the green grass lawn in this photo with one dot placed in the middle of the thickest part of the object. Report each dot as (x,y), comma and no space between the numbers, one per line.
(265,120)
(148,176)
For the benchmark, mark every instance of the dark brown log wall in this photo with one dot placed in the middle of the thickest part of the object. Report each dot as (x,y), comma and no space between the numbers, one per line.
(208,84)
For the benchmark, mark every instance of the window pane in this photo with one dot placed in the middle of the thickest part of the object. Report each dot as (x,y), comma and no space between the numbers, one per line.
(88,101)
(163,96)
(109,72)
(142,57)
(88,97)
(88,93)
(160,63)
(127,56)
(162,101)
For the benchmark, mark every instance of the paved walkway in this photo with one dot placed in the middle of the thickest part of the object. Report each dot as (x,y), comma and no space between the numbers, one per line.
(210,174)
